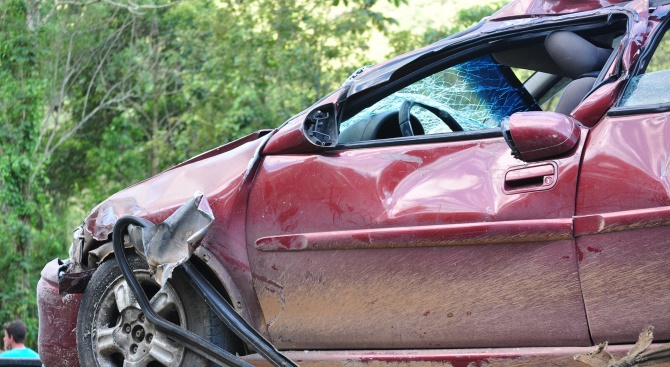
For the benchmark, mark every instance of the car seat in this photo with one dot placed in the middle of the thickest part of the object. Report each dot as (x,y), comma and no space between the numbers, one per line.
(579,60)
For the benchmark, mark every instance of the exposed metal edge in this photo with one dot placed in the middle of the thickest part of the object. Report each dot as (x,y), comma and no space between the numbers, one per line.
(224,148)
(622,221)
(255,161)
(526,357)
(424,236)
(225,278)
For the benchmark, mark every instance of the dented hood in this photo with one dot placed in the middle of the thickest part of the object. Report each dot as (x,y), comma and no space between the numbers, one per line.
(216,173)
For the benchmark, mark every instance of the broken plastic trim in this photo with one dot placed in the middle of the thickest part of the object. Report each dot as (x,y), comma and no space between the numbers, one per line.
(213,299)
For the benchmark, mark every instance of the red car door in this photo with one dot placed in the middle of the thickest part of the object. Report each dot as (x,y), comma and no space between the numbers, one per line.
(414,246)
(434,241)
(623,206)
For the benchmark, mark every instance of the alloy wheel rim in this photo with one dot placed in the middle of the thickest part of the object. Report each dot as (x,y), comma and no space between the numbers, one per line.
(121,334)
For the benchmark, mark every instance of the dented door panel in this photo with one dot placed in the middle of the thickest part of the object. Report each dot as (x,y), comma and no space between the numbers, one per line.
(415,245)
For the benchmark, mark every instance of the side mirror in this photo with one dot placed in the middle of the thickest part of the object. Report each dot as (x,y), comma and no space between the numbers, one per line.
(538,135)
(306,132)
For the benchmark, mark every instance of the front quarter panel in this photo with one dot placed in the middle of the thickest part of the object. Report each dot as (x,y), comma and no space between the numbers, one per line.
(222,179)
(155,199)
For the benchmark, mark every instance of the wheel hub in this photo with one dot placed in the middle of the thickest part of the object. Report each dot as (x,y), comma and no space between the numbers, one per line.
(130,335)
(134,335)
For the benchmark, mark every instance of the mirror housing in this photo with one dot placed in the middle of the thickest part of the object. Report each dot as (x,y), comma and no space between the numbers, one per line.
(307,132)
(320,126)
(537,135)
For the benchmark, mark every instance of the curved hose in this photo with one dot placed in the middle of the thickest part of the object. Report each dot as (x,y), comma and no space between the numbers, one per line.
(190,340)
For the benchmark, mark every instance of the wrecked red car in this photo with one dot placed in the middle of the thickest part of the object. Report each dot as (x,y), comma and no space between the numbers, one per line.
(500,197)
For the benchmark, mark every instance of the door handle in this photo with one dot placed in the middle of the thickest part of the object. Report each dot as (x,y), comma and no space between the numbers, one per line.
(537,177)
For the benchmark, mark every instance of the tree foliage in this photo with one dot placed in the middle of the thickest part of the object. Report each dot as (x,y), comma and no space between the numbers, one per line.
(463,19)
(98,95)
(26,217)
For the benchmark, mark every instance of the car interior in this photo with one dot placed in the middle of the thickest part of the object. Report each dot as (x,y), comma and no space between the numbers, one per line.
(560,67)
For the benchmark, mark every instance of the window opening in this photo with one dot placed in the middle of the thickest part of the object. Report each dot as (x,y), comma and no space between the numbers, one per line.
(478,94)
(652,87)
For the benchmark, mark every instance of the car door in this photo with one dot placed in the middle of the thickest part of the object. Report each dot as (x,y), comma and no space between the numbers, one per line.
(442,240)
(623,206)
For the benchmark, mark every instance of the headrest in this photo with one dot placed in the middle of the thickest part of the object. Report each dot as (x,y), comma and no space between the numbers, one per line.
(575,55)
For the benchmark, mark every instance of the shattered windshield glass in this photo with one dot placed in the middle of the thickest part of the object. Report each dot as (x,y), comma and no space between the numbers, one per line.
(478,94)
(647,89)
(651,88)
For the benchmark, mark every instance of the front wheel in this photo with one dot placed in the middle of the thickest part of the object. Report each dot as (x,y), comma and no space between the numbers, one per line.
(113,331)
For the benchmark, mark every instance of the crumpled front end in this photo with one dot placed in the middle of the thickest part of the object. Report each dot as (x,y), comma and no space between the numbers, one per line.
(217,174)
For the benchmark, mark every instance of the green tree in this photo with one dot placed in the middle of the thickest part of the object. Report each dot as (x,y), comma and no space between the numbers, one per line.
(26,220)
(406,40)
(183,81)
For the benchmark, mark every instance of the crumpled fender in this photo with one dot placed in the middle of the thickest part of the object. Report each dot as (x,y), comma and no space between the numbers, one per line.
(217,173)
(224,176)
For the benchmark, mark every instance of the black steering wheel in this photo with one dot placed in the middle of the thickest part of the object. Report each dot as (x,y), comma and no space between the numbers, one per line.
(404,117)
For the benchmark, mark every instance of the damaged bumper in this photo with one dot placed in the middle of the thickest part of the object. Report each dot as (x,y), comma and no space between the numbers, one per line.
(57,341)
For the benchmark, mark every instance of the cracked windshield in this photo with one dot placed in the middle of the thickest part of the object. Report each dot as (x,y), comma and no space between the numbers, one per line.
(478,94)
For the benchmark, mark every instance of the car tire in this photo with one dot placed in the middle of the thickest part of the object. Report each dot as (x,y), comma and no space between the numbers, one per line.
(111,327)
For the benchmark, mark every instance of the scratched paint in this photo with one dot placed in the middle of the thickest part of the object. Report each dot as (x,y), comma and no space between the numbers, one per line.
(501,295)
(419,294)
(625,278)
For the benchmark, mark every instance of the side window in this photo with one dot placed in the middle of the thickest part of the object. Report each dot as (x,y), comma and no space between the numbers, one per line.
(652,87)
(550,99)
(474,95)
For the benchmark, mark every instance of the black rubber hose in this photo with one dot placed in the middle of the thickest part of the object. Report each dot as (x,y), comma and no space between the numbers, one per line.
(233,320)
(190,340)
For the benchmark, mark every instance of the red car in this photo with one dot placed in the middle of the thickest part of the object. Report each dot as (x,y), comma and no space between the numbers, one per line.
(500,197)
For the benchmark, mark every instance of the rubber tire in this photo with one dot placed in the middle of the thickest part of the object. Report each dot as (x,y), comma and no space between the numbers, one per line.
(199,318)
